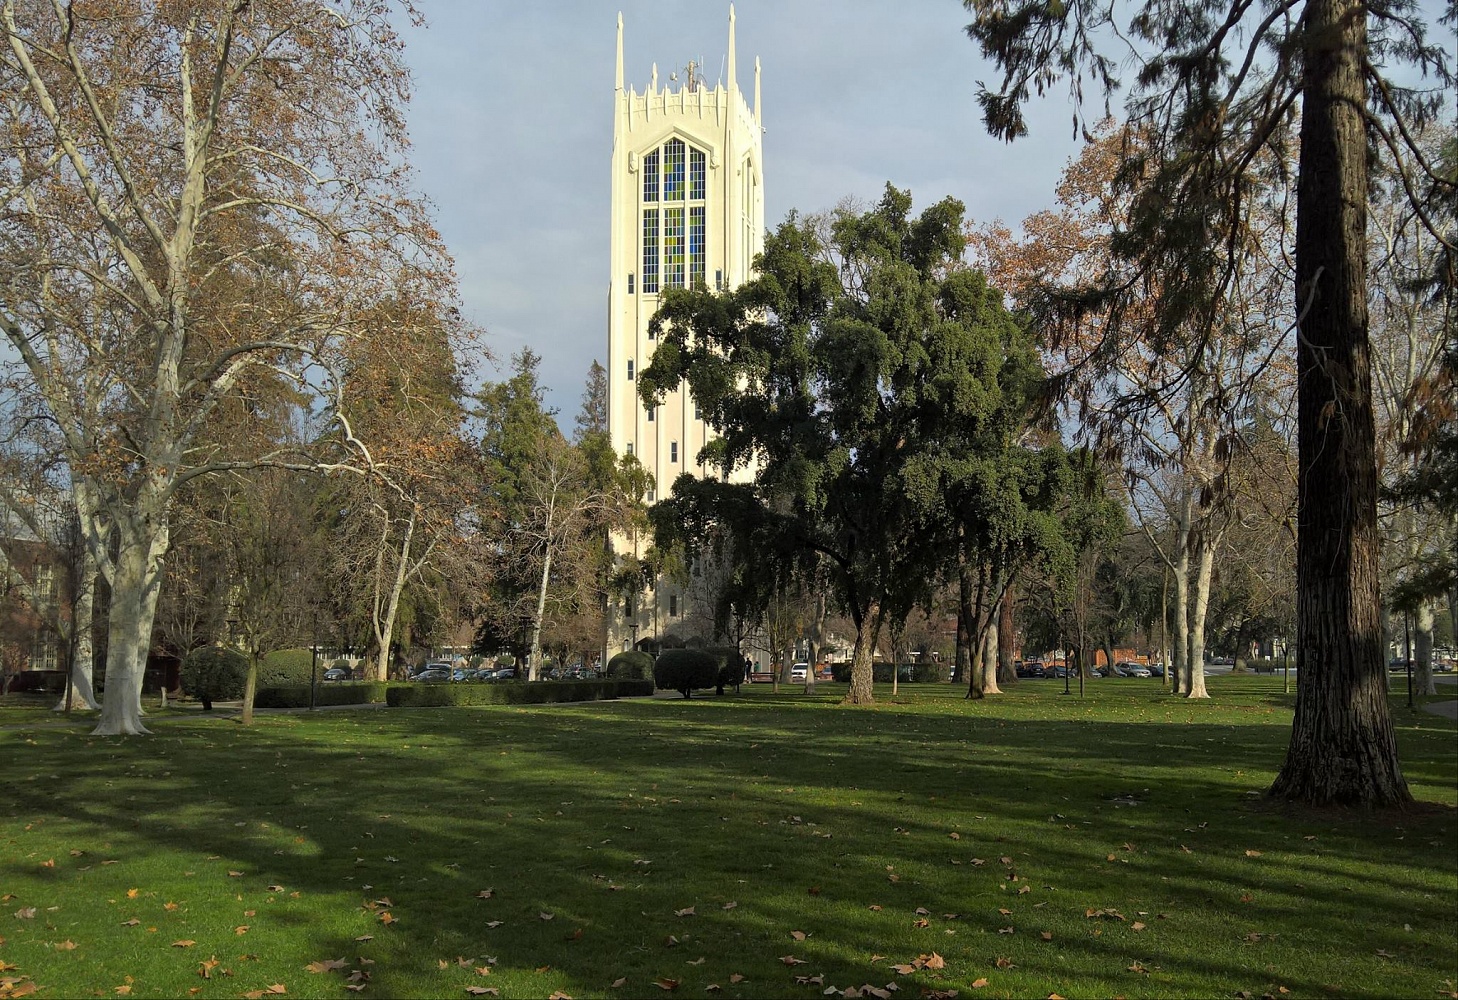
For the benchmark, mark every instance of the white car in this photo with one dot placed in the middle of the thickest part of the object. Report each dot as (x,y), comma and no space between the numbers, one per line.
(799,672)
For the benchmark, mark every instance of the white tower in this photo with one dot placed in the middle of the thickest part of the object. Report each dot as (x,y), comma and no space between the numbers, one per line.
(687,207)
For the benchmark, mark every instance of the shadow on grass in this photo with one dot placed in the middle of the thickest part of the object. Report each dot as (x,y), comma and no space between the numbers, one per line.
(612,818)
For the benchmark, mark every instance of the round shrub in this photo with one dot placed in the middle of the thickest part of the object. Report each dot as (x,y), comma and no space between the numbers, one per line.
(682,670)
(728,666)
(631,665)
(214,674)
(286,667)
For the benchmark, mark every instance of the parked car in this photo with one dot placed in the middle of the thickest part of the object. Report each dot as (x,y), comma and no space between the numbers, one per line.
(1131,669)
(505,674)
(1058,670)
(798,672)
(483,674)
(1156,670)
(432,675)
(336,674)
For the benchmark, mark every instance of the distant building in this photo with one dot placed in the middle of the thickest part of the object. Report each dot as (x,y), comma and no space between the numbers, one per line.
(687,210)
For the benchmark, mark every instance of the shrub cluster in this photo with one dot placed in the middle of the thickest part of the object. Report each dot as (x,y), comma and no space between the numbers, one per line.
(285,667)
(630,665)
(540,693)
(297,695)
(920,673)
(214,674)
(683,670)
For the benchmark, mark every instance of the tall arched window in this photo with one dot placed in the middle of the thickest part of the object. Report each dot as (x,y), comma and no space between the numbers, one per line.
(675,186)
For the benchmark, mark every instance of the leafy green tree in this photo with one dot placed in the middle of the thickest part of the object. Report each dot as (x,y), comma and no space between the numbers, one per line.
(874,386)
(1214,93)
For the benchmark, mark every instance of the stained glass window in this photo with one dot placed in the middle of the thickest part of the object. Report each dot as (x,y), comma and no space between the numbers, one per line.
(697,259)
(650,176)
(696,174)
(673,247)
(673,154)
(650,251)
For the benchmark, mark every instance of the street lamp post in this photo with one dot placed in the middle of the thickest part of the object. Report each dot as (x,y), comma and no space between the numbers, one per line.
(314,665)
(1286,655)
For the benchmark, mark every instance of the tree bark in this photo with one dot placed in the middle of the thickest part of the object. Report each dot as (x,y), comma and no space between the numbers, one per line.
(80,690)
(1205,565)
(383,620)
(1422,645)
(1182,602)
(861,682)
(250,687)
(136,581)
(988,663)
(1006,672)
(1343,748)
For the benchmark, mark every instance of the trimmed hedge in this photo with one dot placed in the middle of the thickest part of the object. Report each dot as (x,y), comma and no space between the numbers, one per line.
(213,673)
(921,673)
(630,665)
(286,667)
(682,670)
(297,695)
(540,693)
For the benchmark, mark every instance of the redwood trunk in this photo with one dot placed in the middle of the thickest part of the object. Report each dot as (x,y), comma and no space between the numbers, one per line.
(1343,748)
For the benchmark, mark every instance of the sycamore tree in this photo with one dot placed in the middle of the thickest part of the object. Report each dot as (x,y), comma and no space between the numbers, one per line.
(1222,92)
(197,197)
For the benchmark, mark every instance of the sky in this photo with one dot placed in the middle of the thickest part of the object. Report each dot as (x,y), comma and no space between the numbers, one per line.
(512,128)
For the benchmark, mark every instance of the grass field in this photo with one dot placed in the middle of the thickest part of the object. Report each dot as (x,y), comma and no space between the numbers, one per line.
(748,846)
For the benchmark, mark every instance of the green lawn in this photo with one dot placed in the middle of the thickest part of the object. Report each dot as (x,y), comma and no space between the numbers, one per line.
(1116,845)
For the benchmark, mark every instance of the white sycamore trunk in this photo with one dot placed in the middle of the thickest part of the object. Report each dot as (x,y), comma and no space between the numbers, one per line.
(1195,684)
(79,691)
(1423,649)
(987,661)
(135,584)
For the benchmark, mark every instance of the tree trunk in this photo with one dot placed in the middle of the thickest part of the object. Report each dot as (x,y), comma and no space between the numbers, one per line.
(250,687)
(817,627)
(1422,645)
(1182,604)
(384,619)
(80,691)
(534,663)
(1006,672)
(1195,682)
(136,580)
(1164,628)
(861,682)
(989,661)
(1343,748)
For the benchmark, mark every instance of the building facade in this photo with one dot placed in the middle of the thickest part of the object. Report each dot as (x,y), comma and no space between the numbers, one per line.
(687,209)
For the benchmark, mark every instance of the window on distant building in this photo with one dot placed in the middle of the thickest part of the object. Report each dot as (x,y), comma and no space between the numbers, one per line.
(673,451)
(630,369)
(652,413)
(673,605)
(674,216)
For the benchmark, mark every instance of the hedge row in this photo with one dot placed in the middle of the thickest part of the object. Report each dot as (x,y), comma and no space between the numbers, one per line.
(297,695)
(430,695)
(921,673)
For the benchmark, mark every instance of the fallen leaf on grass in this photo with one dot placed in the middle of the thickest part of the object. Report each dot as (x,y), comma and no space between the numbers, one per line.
(66,945)
(618,983)
(241,929)
(326,965)
(729,905)
(559,995)
(546,916)
(25,913)
(485,894)
(1384,954)
(273,990)
(185,943)
(1136,967)
(920,923)
(365,937)
(493,924)
(123,990)
(1046,935)
(1252,854)
(205,968)
(1004,930)
(134,922)
(736,978)
(792,960)
(977,984)
(798,935)
(1005,963)
(955,836)
(666,984)
(483,991)
(687,911)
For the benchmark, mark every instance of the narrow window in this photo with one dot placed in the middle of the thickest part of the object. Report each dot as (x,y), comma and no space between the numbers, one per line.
(673,451)
(650,176)
(698,413)
(673,605)
(651,411)
(696,174)
(697,258)
(630,369)
(673,247)
(673,157)
(650,251)
(630,282)
(650,498)
(719,279)
(630,449)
